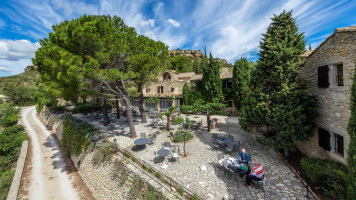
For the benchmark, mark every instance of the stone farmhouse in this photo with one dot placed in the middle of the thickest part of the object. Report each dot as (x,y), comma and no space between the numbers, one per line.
(329,69)
(171,83)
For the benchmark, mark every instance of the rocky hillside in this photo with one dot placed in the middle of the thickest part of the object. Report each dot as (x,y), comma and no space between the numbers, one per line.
(27,78)
(193,54)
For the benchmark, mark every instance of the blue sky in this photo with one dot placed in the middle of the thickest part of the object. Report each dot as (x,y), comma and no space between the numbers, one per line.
(230,29)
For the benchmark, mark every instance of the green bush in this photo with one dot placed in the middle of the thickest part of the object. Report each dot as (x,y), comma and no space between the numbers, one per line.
(327,174)
(74,135)
(217,112)
(180,191)
(44,98)
(178,120)
(137,186)
(21,95)
(5,183)
(158,175)
(186,109)
(150,170)
(8,115)
(178,137)
(90,108)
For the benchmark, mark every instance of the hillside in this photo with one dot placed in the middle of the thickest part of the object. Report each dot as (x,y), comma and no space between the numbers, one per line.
(27,78)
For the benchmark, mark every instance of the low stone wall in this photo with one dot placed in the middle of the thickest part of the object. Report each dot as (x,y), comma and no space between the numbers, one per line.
(100,178)
(15,185)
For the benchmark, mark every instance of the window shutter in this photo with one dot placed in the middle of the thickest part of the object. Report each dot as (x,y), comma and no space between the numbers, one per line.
(323,77)
(158,87)
(324,139)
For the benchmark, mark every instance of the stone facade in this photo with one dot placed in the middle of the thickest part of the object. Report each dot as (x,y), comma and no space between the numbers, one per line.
(170,83)
(338,49)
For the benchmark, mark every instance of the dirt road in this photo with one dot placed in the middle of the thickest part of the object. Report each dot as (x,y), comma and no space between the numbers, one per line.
(47,175)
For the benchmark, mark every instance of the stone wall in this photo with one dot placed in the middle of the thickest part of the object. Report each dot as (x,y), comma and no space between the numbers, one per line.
(100,178)
(334,101)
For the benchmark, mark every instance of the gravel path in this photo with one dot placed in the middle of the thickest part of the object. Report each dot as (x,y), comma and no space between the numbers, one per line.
(47,174)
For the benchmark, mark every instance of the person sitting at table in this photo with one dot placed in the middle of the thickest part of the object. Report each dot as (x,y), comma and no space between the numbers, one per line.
(256,173)
(244,157)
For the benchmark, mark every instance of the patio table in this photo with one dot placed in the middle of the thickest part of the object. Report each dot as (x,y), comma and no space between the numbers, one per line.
(141,141)
(163,152)
(223,140)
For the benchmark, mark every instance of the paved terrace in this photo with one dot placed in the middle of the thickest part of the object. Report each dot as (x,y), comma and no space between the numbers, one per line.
(212,183)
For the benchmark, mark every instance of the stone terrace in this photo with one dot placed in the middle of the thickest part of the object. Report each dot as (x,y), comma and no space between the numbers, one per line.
(212,183)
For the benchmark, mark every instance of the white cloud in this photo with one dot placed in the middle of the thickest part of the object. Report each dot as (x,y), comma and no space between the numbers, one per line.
(174,23)
(16,67)
(150,23)
(14,50)
(4,69)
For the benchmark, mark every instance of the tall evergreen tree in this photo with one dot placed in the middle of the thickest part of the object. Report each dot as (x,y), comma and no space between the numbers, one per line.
(185,94)
(310,48)
(351,154)
(279,99)
(212,86)
(240,78)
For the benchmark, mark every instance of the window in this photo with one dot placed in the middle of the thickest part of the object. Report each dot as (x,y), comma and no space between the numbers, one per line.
(148,90)
(323,77)
(339,75)
(229,104)
(324,139)
(172,89)
(339,144)
(159,89)
(229,84)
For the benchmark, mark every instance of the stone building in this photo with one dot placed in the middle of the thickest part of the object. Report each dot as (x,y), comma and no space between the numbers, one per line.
(330,68)
(170,83)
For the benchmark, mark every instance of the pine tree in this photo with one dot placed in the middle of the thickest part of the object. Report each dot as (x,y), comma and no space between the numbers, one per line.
(310,48)
(185,94)
(212,85)
(279,99)
(351,154)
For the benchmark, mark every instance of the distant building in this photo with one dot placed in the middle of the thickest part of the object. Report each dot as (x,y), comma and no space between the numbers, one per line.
(330,68)
(170,83)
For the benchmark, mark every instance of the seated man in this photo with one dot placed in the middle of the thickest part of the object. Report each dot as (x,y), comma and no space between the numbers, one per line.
(256,173)
(244,157)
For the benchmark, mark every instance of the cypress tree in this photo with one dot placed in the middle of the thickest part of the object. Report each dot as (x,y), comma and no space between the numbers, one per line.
(240,78)
(351,154)
(279,99)
(212,85)
(185,94)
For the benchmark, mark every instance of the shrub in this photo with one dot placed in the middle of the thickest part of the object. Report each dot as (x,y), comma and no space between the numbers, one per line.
(158,175)
(5,183)
(133,159)
(44,98)
(144,167)
(186,109)
(137,186)
(178,137)
(195,197)
(128,155)
(327,174)
(150,170)
(92,109)
(178,120)
(74,135)
(217,112)
(9,120)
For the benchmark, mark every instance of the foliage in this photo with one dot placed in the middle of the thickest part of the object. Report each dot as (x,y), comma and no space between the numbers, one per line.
(180,191)
(5,183)
(212,86)
(150,170)
(93,109)
(186,109)
(264,142)
(44,97)
(327,174)
(27,78)
(240,80)
(185,94)
(178,120)
(351,154)
(158,175)
(75,133)
(20,95)
(8,115)
(179,137)
(143,190)
(181,64)
(275,97)
(137,187)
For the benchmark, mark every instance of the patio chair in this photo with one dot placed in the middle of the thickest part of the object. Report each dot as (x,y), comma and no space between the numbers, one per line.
(175,153)
(143,135)
(230,147)
(231,137)
(261,182)
(153,139)
(236,147)
(216,145)
(167,145)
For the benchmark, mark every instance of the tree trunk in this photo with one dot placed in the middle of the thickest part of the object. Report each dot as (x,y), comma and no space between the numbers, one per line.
(117,107)
(208,121)
(140,107)
(84,99)
(286,152)
(169,122)
(104,111)
(129,117)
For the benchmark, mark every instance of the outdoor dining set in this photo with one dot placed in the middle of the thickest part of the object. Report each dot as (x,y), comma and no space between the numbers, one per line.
(225,141)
